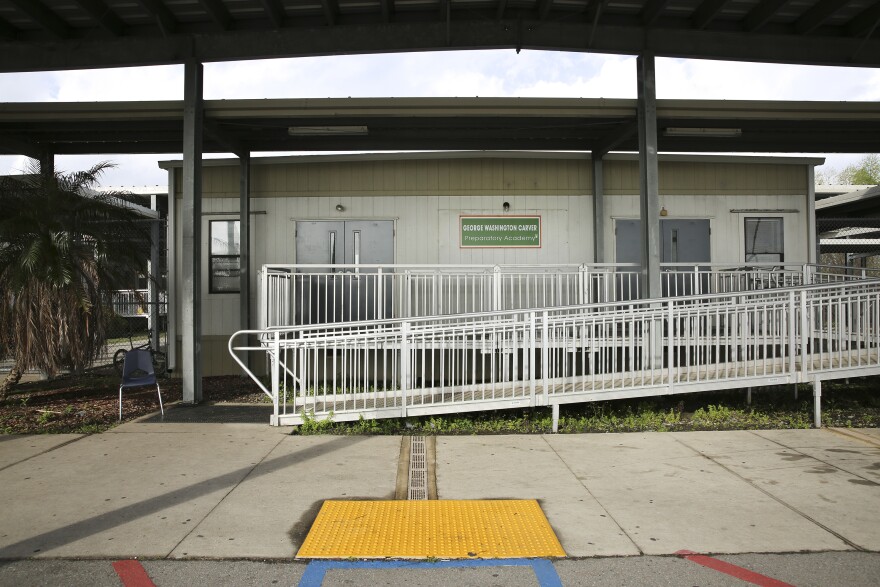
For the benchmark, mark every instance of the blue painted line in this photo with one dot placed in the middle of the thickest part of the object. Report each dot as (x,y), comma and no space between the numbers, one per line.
(544,570)
(546,573)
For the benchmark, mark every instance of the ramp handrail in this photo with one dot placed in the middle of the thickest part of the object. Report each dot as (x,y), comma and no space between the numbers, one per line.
(418,365)
(307,294)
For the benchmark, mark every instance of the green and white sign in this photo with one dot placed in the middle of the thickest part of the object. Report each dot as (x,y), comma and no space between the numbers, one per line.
(515,232)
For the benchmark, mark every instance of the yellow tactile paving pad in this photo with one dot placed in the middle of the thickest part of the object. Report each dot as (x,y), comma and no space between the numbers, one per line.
(437,528)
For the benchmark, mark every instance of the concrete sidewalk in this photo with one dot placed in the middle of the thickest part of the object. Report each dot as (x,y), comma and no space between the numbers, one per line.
(187,490)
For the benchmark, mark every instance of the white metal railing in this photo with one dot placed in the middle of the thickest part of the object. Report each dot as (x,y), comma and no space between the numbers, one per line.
(532,357)
(136,302)
(323,294)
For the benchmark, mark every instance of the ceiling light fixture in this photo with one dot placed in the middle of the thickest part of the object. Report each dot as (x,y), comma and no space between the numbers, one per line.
(323,131)
(702,132)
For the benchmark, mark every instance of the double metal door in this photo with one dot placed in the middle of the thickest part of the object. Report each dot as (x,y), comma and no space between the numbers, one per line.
(336,287)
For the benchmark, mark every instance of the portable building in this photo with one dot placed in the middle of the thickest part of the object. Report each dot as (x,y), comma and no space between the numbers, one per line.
(483,208)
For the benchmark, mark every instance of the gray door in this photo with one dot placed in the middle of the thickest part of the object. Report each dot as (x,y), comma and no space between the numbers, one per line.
(681,241)
(330,293)
(628,249)
(684,241)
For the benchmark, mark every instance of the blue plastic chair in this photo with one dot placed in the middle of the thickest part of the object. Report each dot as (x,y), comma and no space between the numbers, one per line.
(137,371)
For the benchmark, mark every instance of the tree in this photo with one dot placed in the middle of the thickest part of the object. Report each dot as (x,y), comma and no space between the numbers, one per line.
(63,249)
(865,172)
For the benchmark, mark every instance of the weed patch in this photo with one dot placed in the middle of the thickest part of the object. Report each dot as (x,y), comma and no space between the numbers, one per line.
(851,404)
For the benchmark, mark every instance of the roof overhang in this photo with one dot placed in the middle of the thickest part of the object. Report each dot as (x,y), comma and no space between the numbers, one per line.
(59,34)
(416,124)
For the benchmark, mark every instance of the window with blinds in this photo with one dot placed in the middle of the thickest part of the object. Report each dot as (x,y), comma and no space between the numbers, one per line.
(764,240)
(225,256)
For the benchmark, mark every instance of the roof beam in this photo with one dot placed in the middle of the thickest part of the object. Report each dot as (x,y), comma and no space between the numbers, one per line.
(164,18)
(274,11)
(762,13)
(387,7)
(7,31)
(544,8)
(44,17)
(104,16)
(612,140)
(331,11)
(816,16)
(865,23)
(221,137)
(594,13)
(502,6)
(706,12)
(570,35)
(218,12)
(17,145)
(651,12)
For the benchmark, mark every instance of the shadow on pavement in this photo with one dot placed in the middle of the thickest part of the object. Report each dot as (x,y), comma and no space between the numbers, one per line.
(212,414)
(79,530)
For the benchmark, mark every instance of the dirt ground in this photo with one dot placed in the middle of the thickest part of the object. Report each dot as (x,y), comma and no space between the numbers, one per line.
(90,402)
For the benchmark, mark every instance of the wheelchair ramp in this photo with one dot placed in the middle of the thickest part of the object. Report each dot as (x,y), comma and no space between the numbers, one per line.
(456,529)
(546,357)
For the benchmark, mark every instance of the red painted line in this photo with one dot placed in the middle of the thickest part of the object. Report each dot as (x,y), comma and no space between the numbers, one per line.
(732,570)
(132,574)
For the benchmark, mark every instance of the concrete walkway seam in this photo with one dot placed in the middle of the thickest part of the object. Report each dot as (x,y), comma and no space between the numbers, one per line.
(225,495)
(774,498)
(590,493)
(826,463)
(854,435)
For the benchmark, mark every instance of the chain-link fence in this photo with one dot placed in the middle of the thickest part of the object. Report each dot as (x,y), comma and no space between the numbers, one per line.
(849,242)
(140,314)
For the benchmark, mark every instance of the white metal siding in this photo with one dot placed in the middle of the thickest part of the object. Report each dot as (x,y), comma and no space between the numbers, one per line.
(426,197)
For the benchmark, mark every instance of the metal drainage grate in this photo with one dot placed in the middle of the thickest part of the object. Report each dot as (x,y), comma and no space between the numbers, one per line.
(417,487)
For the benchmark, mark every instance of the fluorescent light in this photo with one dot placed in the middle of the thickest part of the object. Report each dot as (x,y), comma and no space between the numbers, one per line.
(702,132)
(318,131)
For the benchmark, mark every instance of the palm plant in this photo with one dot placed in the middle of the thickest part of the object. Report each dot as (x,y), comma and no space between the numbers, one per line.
(63,249)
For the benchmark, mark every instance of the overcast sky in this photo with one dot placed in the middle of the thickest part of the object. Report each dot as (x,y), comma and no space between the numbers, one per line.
(458,73)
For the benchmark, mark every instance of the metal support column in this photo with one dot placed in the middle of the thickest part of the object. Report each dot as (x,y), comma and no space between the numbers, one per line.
(245,244)
(191,218)
(153,280)
(598,209)
(172,289)
(649,176)
(812,241)
(47,165)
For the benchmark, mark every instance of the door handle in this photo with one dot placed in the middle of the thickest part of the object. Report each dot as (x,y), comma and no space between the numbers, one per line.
(357,251)
(332,236)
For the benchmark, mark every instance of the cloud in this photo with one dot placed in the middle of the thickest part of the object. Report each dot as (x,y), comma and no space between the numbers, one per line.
(725,80)
(93,85)
(490,73)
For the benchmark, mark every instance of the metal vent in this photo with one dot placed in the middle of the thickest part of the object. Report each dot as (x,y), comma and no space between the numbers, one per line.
(417,487)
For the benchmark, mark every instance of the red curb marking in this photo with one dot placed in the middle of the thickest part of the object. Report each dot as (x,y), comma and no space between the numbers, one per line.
(132,574)
(732,570)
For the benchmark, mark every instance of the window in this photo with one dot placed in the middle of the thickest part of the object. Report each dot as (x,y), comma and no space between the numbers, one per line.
(225,256)
(764,242)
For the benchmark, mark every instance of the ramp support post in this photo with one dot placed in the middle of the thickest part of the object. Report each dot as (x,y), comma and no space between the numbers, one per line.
(555,418)
(817,402)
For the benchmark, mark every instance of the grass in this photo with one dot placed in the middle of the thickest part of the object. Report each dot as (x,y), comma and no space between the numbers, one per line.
(87,404)
(853,404)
